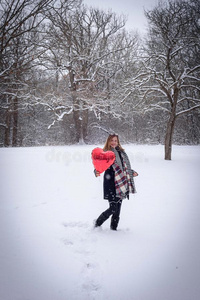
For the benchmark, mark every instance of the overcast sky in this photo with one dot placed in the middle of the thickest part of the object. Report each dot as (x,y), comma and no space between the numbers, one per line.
(134,9)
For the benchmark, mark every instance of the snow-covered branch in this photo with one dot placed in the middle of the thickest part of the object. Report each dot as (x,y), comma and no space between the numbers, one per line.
(188,110)
(186,98)
(3,125)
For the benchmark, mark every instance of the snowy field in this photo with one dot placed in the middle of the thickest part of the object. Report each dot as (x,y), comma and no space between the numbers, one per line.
(50,251)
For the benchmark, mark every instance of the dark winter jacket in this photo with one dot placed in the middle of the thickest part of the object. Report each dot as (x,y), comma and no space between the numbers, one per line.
(109,184)
(109,178)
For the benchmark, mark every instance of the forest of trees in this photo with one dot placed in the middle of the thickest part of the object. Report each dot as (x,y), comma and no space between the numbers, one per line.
(72,74)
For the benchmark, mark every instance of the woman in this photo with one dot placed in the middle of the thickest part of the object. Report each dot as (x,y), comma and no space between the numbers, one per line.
(118,182)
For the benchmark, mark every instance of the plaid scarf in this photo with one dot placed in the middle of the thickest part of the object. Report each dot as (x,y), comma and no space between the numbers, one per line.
(123,183)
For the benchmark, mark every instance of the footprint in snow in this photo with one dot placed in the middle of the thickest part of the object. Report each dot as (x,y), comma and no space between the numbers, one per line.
(76,224)
(90,284)
(79,237)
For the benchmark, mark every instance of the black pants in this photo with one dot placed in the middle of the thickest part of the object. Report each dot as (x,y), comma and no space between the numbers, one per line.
(114,210)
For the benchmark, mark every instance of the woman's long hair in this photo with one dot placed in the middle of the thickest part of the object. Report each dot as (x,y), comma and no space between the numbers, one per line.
(107,146)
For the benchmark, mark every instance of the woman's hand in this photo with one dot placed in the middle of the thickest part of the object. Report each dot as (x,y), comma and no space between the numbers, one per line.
(97,174)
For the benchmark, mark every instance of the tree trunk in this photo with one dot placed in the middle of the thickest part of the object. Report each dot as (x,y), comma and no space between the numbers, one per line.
(169,136)
(76,117)
(76,105)
(7,137)
(84,124)
(15,123)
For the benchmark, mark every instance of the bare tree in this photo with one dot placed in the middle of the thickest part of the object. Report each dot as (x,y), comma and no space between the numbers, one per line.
(19,21)
(86,47)
(169,77)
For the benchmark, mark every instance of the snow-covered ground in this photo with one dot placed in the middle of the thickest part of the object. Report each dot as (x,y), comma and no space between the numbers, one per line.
(50,251)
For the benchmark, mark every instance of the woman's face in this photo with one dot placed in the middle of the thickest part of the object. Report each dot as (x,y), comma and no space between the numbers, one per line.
(114,142)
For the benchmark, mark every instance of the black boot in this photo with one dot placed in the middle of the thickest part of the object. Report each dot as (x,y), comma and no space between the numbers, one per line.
(114,223)
(101,219)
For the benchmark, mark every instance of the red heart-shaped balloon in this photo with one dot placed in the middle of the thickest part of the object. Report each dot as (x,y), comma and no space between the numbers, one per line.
(102,160)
